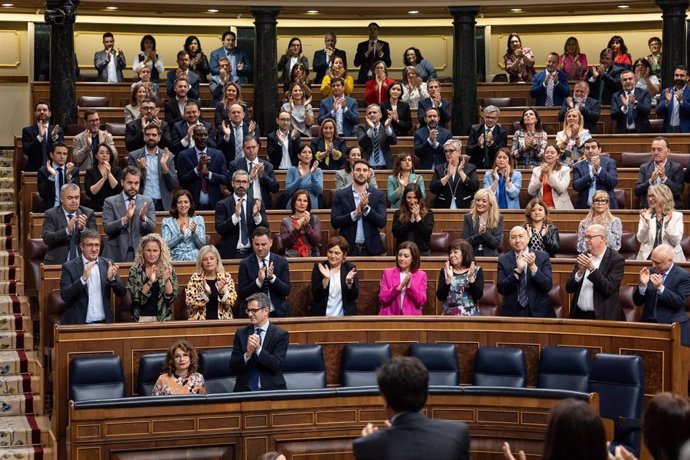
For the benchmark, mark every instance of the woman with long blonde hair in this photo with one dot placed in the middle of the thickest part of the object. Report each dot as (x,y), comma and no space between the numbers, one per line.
(483,225)
(571,140)
(660,224)
(210,292)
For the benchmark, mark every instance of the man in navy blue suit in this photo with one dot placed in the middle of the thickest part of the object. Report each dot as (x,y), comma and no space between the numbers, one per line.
(202,170)
(369,52)
(436,101)
(630,106)
(182,133)
(232,132)
(240,67)
(596,173)
(550,86)
(343,109)
(674,104)
(38,139)
(262,179)
(55,173)
(524,279)
(663,291)
(429,141)
(323,59)
(183,71)
(358,212)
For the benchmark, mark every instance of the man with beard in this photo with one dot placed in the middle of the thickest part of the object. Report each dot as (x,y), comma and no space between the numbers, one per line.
(429,141)
(588,107)
(674,104)
(202,170)
(174,108)
(283,143)
(183,71)
(486,139)
(454,181)
(603,78)
(358,212)
(182,131)
(38,139)
(134,131)
(158,175)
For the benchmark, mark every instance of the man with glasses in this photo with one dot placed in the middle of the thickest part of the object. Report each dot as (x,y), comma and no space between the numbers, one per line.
(86,284)
(486,139)
(588,107)
(134,131)
(596,173)
(259,349)
(661,170)
(663,291)
(596,279)
(85,144)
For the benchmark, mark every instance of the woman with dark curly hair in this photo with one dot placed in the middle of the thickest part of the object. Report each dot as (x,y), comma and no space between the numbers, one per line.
(620,52)
(543,235)
(413,57)
(180,376)
(518,61)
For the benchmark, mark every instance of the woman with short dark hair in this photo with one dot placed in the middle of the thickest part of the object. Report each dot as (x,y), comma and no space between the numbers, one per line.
(414,221)
(103,178)
(334,283)
(403,287)
(460,282)
(300,233)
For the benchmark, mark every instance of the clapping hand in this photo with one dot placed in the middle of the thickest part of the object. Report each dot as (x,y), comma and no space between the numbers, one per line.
(81,222)
(448,272)
(142,211)
(509,455)
(112,271)
(404,283)
(50,169)
(87,270)
(530,259)
(269,272)
(325,271)
(257,207)
(349,278)
(472,273)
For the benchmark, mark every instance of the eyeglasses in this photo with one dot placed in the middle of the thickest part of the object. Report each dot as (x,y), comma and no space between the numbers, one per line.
(600,200)
(251,311)
(590,237)
(91,245)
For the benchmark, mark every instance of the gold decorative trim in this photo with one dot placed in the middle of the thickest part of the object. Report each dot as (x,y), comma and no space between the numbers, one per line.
(18,41)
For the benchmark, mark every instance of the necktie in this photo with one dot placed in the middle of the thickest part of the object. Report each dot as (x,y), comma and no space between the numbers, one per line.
(204,183)
(250,190)
(73,251)
(61,178)
(487,162)
(244,230)
(522,291)
(94,144)
(265,265)
(238,141)
(376,148)
(549,92)
(631,113)
(44,148)
(130,224)
(254,375)
(592,187)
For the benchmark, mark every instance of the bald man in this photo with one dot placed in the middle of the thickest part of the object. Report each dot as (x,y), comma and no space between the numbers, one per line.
(663,291)
(524,279)
(596,279)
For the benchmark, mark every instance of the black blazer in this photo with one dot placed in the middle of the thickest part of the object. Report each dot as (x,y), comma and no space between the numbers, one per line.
(444,111)
(320,65)
(404,124)
(172,112)
(55,237)
(275,150)
(417,232)
(674,181)
(228,147)
(134,136)
(318,144)
(269,363)
(179,132)
(34,150)
(476,151)
(277,290)
(490,239)
(267,181)
(538,286)
(606,281)
(591,111)
(366,145)
(190,180)
(366,64)
(428,154)
(46,187)
(464,191)
(230,233)
(344,204)
(320,295)
(640,111)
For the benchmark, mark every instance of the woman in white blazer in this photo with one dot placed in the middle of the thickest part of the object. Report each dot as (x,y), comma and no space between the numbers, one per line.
(550,181)
(660,224)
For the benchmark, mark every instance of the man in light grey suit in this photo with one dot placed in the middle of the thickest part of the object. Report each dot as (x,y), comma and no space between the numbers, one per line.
(110,61)
(158,175)
(127,217)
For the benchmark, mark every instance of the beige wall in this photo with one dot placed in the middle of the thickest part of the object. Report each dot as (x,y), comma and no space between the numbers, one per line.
(14,63)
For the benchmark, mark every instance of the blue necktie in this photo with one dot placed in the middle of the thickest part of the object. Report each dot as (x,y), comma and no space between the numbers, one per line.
(254,375)
(522,290)
(376,148)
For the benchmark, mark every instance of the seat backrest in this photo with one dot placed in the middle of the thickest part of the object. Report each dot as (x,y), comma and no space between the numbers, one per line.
(150,368)
(488,304)
(568,244)
(630,310)
(500,367)
(685,245)
(304,367)
(359,363)
(55,308)
(440,242)
(214,365)
(36,251)
(621,198)
(564,368)
(441,360)
(92,101)
(657,124)
(96,377)
(682,158)
(634,159)
(630,246)
(556,298)
(498,101)
(116,129)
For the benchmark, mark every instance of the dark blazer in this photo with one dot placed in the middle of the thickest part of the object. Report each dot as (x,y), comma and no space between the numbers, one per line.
(669,306)
(666,110)
(267,181)
(320,65)
(602,88)
(46,187)
(167,183)
(230,233)
(365,63)
(476,151)
(172,111)
(366,145)
(179,132)
(464,191)
(350,117)
(417,232)
(192,79)
(413,436)
(269,363)
(275,150)
(490,239)
(228,147)
(37,152)
(320,295)
(55,236)
(606,281)
(341,220)
(404,124)
(318,144)
(606,180)
(430,155)
(284,67)
(277,290)
(134,136)
(101,61)
(240,56)
(76,295)
(674,180)
(640,111)
(190,180)
(538,286)
(560,89)
(119,235)
(444,111)
(551,240)
(591,111)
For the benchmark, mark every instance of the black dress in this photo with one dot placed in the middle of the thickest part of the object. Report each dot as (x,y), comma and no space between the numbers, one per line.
(93,175)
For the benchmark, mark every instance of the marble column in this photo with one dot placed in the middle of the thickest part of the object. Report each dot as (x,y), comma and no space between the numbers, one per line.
(674,49)
(265,67)
(464,69)
(63,92)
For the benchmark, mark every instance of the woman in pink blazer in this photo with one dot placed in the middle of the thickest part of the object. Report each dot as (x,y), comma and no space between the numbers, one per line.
(403,288)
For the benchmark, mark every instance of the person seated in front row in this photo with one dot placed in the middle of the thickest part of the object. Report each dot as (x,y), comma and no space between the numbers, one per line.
(483,226)
(487,139)
(588,107)
(542,233)
(550,181)
(300,233)
(329,148)
(180,374)
(660,224)
(183,232)
(403,175)
(413,221)
(334,282)
(55,173)
(503,181)
(630,106)
(403,287)
(429,141)
(571,140)
(343,177)
(455,182)
(600,213)
(305,176)
(210,292)
(102,180)
(152,281)
(460,281)
(595,173)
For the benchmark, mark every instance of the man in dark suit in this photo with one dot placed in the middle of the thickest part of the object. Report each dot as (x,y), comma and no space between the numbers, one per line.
(429,141)
(455,181)
(358,212)
(436,101)
(267,272)
(109,61)
(596,279)
(259,350)
(283,144)
(343,109)
(596,173)
(375,139)
(157,166)
(237,216)
(486,139)
(232,133)
(134,130)
(603,78)
(410,435)
(550,86)
(174,108)
(240,67)
(127,217)
(38,139)
(371,51)
(674,103)
(663,292)
(323,59)
(524,279)
(182,138)
(87,282)
(202,170)
(588,107)
(217,84)
(630,106)
(660,170)
(262,179)
(183,71)
(63,224)
(53,175)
